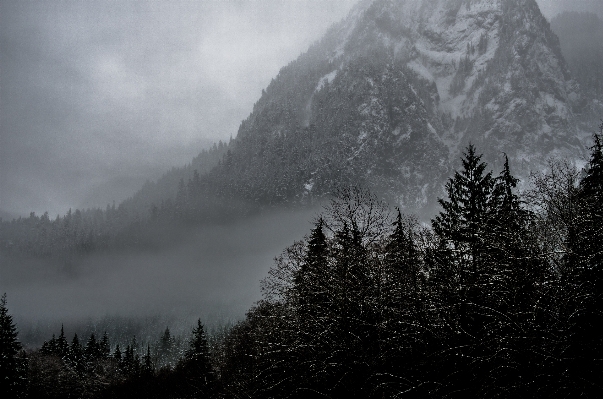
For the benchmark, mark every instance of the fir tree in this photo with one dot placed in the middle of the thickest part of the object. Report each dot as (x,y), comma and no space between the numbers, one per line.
(461,267)
(62,345)
(310,280)
(11,370)
(197,356)
(590,220)
(76,354)
(401,297)
(195,368)
(104,346)
(148,368)
(117,354)
(166,348)
(402,257)
(585,337)
(92,351)
(462,223)
(50,347)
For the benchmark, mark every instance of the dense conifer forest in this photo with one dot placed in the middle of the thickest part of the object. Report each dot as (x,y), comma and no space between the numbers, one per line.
(500,296)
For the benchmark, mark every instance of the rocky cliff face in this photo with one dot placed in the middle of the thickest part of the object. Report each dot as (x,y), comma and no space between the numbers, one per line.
(392,95)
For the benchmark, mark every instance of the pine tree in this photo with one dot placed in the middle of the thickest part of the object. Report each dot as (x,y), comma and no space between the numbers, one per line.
(197,356)
(62,345)
(312,291)
(50,347)
(310,280)
(130,361)
(401,297)
(195,368)
(462,223)
(462,228)
(590,220)
(148,368)
(513,274)
(166,347)
(507,224)
(461,265)
(104,346)
(117,354)
(76,355)
(92,350)
(585,338)
(11,370)
(402,258)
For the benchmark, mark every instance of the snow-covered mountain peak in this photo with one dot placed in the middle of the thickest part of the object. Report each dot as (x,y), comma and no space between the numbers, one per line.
(395,91)
(489,59)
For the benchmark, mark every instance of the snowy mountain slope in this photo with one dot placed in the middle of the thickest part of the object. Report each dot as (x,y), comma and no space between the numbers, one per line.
(497,67)
(395,92)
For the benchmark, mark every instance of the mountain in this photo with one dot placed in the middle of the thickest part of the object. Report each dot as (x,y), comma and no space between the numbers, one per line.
(392,94)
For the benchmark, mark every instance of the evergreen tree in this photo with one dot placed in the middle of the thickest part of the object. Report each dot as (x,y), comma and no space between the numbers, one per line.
(462,227)
(197,356)
(586,343)
(312,296)
(400,296)
(462,223)
(461,270)
(166,348)
(76,355)
(195,368)
(402,260)
(590,227)
(117,354)
(130,362)
(513,274)
(62,345)
(104,346)
(310,280)
(11,368)
(50,347)
(92,350)
(148,368)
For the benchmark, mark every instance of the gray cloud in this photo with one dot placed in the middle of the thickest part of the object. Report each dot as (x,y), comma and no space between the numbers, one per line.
(550,8)
(215,269)
(96,91)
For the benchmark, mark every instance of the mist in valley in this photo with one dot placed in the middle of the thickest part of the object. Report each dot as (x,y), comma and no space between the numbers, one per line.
(213,272)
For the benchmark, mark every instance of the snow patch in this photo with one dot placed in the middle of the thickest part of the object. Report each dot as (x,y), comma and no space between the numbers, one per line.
(326,79)
(421,70)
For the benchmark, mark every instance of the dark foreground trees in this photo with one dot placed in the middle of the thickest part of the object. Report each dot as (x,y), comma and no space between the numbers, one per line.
(500,299)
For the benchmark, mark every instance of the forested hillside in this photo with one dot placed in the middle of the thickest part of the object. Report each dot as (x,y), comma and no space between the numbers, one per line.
(139,221)
(499,297)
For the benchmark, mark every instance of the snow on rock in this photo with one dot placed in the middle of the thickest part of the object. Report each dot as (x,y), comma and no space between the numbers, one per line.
(326,79)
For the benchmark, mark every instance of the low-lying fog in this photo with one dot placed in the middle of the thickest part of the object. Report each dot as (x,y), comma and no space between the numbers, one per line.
(214,274)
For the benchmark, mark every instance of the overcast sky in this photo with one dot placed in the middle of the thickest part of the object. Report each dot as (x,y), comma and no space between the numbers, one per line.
(98,96)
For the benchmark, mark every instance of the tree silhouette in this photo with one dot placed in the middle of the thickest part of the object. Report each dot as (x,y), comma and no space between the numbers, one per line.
(11,368)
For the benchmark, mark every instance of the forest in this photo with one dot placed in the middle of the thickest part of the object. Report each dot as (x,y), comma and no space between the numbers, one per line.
(500,296)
